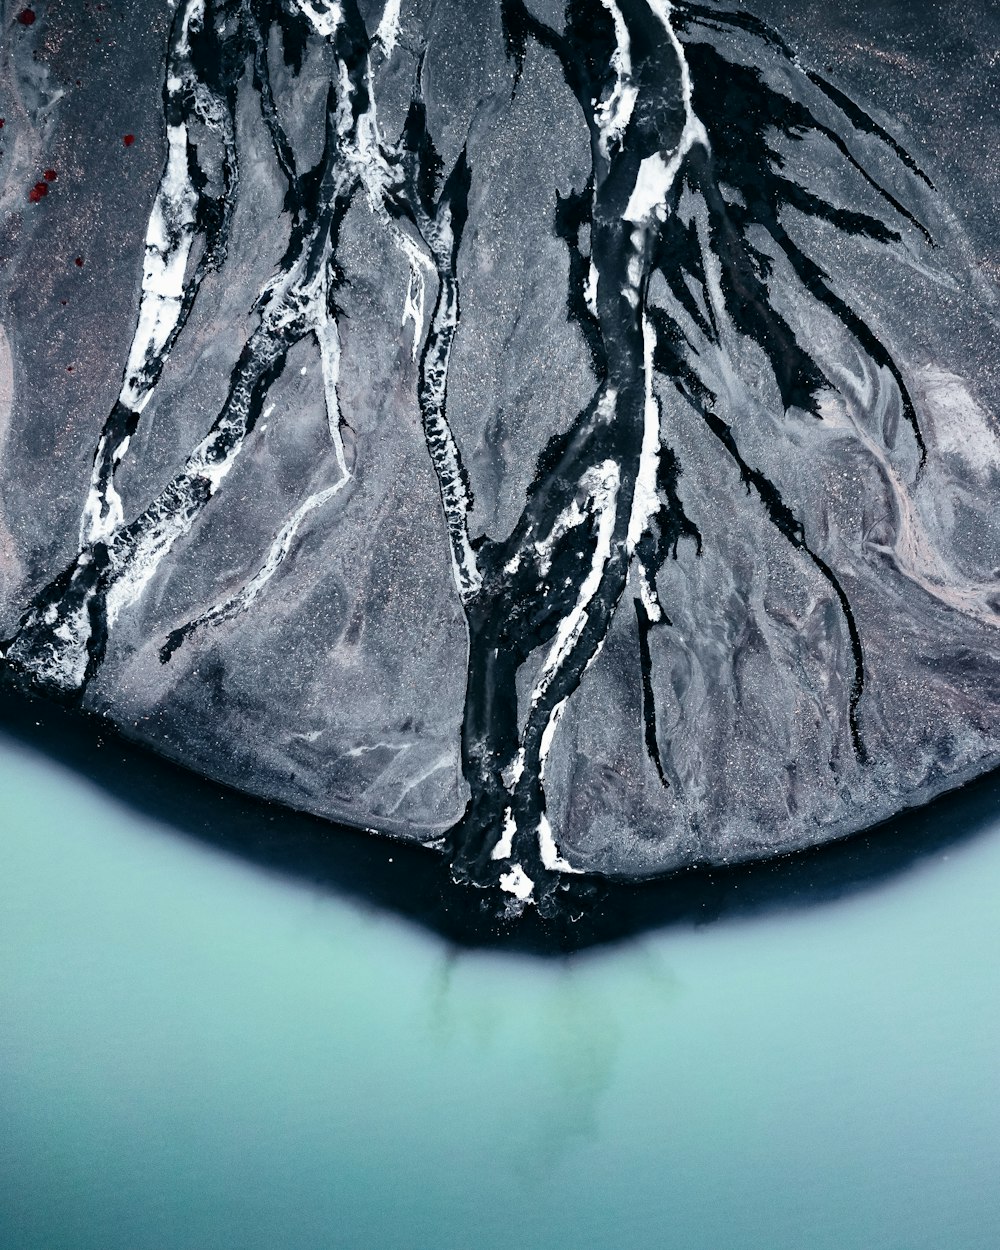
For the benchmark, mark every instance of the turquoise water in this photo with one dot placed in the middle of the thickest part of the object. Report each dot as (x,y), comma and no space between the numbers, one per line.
(195,1055)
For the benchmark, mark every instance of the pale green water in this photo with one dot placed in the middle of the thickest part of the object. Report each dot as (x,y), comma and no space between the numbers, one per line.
(195,1056)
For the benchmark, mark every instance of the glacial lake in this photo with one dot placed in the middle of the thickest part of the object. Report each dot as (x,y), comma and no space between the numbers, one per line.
(198,1055)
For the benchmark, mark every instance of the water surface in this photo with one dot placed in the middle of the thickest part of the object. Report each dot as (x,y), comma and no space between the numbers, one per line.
(196,1055)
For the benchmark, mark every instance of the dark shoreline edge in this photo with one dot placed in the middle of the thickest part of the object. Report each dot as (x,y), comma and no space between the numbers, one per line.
(415,883)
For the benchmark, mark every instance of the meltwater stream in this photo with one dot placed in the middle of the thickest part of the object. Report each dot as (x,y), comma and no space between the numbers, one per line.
(195,1055)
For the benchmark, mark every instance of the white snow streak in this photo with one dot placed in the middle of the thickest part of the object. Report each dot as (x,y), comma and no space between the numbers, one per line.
(505,847)
(614,114)
(388,28)
(169,235)
(645,500)
(656,175)
(590,289)
(421,266)
(444,450)
(549,851)
(277,552)
(602,483)
(328,337)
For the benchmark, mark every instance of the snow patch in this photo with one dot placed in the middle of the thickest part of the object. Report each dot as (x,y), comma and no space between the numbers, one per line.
(549,851)
(388,28)
(614,113)
(518,883)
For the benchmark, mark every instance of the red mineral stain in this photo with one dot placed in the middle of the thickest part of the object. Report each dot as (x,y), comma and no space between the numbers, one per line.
(26,17)
(1,123)
(128,140)
(78,262)
(38,192)
(51,175)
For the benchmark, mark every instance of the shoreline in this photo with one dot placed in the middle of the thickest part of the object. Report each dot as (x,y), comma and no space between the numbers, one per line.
(414,882)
